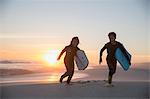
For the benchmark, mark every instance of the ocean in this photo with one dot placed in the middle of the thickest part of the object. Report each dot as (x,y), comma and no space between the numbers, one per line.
(137,72)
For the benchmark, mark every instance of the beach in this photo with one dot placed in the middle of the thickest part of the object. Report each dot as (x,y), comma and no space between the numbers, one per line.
(43,39)
(78,90)
(131,84)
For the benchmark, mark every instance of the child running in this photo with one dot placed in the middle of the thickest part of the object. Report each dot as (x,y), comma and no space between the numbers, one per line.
(111,60)
(69,59)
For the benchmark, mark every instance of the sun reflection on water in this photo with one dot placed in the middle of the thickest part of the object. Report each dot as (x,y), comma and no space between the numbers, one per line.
(56,76)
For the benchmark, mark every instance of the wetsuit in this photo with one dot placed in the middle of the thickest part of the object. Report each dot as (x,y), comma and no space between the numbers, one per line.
(69,62)
(111,60)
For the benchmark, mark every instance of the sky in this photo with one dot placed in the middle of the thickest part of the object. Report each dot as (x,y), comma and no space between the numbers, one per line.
(31,28)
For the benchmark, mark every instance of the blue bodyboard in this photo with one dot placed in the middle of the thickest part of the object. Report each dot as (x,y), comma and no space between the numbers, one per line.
(122,59)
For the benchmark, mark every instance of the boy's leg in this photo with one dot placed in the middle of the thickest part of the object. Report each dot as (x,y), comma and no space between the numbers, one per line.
(110,77)
(112,69)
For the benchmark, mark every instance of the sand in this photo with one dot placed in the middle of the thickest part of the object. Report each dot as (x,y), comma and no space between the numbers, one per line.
(93,89)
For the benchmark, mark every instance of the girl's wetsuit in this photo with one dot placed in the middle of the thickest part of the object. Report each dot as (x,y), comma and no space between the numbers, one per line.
(69,61)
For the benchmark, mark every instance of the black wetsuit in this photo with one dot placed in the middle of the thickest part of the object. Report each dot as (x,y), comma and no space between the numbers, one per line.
(111,60)
(69,61)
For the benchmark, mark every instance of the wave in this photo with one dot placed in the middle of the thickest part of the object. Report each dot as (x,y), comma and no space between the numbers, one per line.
(13,62)
(12,72)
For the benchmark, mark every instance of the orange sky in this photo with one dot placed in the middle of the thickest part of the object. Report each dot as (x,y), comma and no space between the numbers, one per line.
(31,28)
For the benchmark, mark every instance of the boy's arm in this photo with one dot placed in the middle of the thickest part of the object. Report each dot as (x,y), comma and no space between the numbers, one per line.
(61,53)
(101,53)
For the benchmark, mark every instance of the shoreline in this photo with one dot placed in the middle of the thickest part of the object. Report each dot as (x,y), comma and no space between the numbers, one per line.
(132,75)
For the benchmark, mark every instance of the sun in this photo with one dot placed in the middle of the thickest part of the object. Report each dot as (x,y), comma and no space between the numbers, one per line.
(51,56)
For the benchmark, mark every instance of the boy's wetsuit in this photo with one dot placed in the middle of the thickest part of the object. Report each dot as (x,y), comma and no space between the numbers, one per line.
(111,60)
(69,61)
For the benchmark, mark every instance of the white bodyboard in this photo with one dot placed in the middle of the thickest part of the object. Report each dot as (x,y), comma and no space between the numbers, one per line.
(81,60)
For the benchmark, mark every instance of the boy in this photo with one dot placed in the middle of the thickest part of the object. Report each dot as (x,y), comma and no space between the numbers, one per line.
(111,60)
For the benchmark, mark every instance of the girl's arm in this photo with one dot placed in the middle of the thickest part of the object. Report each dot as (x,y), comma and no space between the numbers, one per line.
(61,53)
(78,48)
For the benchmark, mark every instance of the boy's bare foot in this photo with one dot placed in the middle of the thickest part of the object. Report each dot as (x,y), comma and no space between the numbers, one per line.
(68,84)
(108,85)
(106,81)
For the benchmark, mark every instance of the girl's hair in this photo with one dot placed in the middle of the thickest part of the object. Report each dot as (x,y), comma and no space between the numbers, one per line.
(75,38)
(112,33)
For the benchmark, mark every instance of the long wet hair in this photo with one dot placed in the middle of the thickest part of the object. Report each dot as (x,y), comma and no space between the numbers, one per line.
(74,38)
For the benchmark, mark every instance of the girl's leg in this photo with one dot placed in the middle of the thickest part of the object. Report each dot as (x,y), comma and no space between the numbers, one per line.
(71,72)
(66,73)
(63,76)
(69,78)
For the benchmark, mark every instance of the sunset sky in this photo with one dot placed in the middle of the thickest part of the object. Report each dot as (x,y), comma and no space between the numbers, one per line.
(31,29)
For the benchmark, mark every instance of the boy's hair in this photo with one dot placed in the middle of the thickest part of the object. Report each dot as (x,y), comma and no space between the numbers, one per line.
(112,33)
(75,38)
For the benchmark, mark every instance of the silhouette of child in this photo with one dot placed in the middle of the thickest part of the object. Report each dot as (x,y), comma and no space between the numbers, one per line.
(69,59)
(111,60)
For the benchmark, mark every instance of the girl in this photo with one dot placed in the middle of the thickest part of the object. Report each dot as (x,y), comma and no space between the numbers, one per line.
(69,59)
